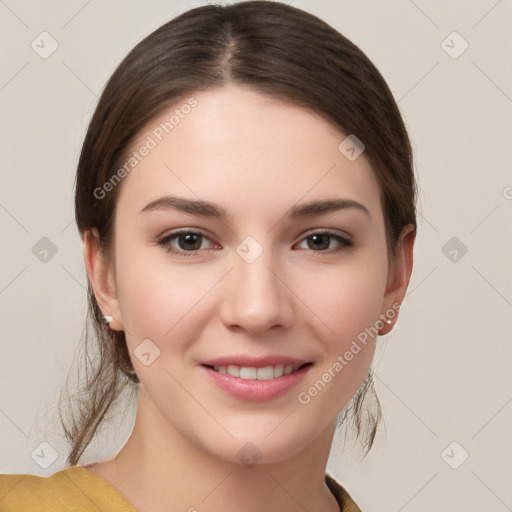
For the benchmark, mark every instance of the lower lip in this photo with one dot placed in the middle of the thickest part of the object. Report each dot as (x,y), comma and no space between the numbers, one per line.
(254,390)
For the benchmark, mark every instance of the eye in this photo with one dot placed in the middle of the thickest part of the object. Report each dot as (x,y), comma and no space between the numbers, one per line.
(185,243)
(188,243)
(326,241)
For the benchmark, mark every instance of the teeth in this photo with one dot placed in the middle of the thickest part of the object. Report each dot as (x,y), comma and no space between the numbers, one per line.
(278,370)
(233,370)
(288,369)
(248,373)
(265,373)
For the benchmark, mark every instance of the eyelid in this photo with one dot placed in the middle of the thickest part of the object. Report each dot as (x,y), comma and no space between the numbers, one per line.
(179,231)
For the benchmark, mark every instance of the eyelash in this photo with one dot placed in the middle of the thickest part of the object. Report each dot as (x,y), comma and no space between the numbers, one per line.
(164,241)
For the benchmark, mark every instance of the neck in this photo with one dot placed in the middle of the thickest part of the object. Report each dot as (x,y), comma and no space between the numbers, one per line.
(154,469)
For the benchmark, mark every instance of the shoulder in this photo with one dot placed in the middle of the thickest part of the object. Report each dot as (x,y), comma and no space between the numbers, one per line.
(347,504)
(70,489)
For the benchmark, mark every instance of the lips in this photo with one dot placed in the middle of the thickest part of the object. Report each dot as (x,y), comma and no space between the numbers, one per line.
(255,362)
(255,384)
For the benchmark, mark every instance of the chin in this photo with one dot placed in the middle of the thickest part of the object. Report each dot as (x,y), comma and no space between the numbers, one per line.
(258,447)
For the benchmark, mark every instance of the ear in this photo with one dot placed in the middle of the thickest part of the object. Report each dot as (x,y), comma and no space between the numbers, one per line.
(398,278)
(102,277)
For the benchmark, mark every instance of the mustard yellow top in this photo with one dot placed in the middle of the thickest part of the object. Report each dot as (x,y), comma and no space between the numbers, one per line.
(78,489)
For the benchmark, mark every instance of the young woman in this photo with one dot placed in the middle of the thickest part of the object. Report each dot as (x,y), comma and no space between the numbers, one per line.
(246,199)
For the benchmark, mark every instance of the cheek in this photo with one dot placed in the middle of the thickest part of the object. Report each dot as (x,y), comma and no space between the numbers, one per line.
(146,294)
(160,300)
(347,299)
(346,303)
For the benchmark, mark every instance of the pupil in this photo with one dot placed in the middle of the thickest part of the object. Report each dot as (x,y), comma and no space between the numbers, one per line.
(322,239)
(190,239)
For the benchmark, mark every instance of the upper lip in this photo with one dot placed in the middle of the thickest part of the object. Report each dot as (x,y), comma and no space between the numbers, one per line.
(255,362)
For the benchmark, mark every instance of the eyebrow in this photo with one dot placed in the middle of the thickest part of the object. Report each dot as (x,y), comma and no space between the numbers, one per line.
(207,209)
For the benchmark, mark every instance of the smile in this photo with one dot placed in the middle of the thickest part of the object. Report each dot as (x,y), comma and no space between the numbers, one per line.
(253,373)
(256,384)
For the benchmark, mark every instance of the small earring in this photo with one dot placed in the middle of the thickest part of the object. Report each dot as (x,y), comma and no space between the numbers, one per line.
(108,319)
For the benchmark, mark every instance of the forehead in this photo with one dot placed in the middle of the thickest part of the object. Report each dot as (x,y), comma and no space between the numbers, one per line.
(247,152)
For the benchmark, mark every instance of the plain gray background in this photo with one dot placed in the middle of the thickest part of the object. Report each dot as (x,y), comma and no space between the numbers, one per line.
(443,373)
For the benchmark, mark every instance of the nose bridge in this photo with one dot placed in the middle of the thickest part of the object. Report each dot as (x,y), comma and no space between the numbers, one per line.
(256,299)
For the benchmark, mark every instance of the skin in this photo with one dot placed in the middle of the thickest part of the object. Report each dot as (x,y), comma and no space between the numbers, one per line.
(256,157)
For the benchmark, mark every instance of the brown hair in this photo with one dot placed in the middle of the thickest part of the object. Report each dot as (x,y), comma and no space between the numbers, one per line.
(277,50)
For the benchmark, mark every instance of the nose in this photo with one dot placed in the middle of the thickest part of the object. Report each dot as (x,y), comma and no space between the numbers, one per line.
(255,296)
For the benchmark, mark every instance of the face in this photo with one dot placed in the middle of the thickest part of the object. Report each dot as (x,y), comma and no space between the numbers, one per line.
(270,252)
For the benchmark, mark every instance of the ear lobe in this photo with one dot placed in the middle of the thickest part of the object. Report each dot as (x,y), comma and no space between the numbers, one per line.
(102,278)
(399,275)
